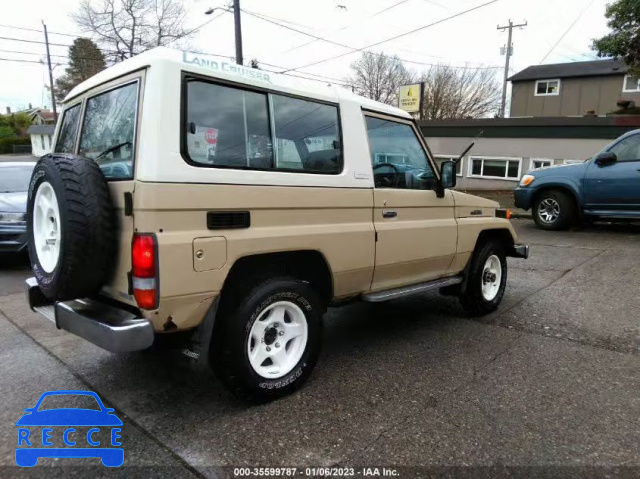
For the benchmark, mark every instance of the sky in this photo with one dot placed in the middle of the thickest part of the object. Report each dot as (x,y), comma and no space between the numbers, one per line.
(557,31)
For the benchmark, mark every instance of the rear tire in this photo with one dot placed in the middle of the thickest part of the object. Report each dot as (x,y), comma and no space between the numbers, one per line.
(71,226)
(554,210)
(254,349)
(486,280)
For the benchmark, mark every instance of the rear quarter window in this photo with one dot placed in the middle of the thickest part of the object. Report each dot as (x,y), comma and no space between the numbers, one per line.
(229,127)
(68,130)
(108,131)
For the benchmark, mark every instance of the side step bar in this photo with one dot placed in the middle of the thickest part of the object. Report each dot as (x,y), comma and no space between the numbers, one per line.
(395,293)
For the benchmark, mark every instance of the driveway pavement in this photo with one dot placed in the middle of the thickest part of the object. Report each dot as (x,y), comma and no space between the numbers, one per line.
(547,385)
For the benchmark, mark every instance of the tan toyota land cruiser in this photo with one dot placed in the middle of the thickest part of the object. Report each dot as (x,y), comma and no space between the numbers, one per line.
(189,193)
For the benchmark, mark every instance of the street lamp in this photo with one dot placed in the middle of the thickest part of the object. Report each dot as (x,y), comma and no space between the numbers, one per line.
(238,27)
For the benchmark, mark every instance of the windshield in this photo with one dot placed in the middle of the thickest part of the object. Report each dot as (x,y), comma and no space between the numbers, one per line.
(15,179)
(66,401)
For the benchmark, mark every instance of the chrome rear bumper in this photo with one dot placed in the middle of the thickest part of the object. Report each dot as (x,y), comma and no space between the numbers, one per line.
(114,329)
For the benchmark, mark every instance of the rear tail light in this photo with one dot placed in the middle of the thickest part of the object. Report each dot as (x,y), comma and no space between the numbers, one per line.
(144,274)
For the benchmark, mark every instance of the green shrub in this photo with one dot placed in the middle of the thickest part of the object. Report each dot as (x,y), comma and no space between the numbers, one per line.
(6,144)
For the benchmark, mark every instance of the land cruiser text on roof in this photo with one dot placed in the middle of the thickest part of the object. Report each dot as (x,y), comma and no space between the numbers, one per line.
(188,193)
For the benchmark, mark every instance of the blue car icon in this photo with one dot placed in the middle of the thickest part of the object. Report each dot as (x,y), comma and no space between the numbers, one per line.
(28,451)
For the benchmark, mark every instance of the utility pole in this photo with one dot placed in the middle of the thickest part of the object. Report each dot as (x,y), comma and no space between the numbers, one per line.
(53,98)
(508,51)
(238,28)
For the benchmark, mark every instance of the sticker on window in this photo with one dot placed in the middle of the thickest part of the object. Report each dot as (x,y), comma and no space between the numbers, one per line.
(202,145)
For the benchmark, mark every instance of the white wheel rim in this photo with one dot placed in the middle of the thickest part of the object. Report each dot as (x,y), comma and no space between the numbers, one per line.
(277,339)
(491,277)
(46,227)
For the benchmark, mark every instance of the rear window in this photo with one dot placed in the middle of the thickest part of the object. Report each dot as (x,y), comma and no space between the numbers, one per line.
(68,130)
(228,127)
(108,131)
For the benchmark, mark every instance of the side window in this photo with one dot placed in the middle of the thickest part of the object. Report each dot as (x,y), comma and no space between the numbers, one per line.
(307,135)
(68,130)
(627,149)
(108,131)
(397,156)
(228,127)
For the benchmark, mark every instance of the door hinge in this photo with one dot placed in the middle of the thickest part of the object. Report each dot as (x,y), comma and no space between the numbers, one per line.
(128,203)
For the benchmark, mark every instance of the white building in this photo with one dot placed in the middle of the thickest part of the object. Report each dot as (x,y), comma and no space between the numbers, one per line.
(41,139)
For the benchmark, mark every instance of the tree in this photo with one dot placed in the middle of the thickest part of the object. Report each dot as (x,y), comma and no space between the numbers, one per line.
(14,125)
(451,92)
(85,60)
(125,28)
(379,76)
(624,41)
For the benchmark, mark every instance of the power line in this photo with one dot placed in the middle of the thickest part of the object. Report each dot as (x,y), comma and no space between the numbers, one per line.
(24,61)
(208,21)
(29,53)
(353,49)
(348,26)
(33,41)
(567,31)
(51,44)
(397,36)
(39,31)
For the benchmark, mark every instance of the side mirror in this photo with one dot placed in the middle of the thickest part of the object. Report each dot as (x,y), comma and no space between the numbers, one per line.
(448,174)
(606,158)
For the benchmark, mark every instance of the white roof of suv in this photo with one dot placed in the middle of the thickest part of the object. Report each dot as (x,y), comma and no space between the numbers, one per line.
(224,68)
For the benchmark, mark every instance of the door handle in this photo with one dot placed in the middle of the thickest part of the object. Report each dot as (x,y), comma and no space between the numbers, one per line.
(389,214)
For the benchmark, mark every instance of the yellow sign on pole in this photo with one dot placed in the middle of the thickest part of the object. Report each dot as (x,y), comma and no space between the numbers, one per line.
(409,97)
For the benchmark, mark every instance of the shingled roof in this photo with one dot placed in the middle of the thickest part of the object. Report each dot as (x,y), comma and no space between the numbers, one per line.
(572,70)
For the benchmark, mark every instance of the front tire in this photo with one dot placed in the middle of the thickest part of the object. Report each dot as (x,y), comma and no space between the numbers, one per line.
(554,210)
(267,339)
(486,280)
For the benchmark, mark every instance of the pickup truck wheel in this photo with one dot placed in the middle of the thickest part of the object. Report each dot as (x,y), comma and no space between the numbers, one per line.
(267,339)
(487,279)
(554,210)
(71,227)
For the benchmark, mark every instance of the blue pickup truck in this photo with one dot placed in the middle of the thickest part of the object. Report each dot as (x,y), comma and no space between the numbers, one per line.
(606,186)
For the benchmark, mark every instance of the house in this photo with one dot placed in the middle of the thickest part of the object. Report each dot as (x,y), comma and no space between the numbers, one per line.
(39,116)
(507,148)
(41,139)
(595,87)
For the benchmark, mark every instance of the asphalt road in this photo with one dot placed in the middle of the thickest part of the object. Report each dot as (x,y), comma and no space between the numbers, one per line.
(14,157)
(548,384)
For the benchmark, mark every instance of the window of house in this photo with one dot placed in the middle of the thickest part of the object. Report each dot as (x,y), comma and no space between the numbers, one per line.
(442,158)
(540,163)
(228,127)
(631,84)
(499,168)
(405,164)
(547,87)
(108,130)
(68,130)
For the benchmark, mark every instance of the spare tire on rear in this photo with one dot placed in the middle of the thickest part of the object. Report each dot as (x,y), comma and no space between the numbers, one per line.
(72,227)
